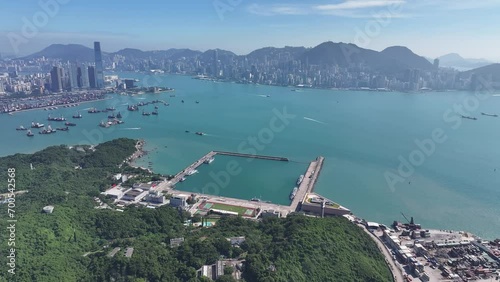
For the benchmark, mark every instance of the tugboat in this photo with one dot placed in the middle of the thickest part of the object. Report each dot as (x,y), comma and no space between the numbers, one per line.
(200,133)
(78,115)
(63,128)
(21,128)
(30,134)
(145,113)
(37,125)
(119,115)
(70,124)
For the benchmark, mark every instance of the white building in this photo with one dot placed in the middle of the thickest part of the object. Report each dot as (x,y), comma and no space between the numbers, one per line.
(179,201)
(134,195)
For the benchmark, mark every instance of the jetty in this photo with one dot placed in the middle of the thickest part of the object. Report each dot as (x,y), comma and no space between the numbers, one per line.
(307,185)
(270,158)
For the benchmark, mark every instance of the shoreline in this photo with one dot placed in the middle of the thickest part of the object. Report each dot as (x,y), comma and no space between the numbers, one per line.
(58,105)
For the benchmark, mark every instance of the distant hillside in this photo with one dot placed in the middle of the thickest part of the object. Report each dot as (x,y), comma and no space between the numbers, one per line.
(489,72)
(454,60)
(407,57)
(137,54)
(391,60)
(276,54)
(69,52)
(222,55)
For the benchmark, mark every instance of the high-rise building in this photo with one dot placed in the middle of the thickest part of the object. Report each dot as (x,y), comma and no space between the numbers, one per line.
(99,69)
(73,77)
(84,81)
(56,79)
(436,64)
(92,77)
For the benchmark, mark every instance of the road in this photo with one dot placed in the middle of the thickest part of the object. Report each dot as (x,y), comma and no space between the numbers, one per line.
(396,271)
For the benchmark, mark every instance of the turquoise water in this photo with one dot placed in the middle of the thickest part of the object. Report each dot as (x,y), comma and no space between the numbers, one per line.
(361,134)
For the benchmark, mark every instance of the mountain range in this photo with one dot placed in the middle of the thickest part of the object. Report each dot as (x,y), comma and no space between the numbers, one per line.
(391,60)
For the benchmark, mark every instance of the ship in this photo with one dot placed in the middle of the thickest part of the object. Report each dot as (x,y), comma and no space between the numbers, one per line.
(70,124)
(191,172)
(63,128)
(112,116)
(21,128)
(78,115)
(294,192)
(490,115)
(61,118)
(133,108)
(468,117)
(47,130)
(37,125)
(103,124)
(200,133)
(209,161)
(119,115)
(93,111)
(155,112)
(300,179)
(30,134)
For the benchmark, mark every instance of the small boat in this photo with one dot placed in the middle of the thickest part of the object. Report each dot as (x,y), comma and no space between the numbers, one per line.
(119,115)
(104,124)
(209,161)
(37,125)
(112,116)
(110,109)
(182,179)
(63,128)
(47,130)
(155,112)
(197,102)
(70,124)
(145,113)
(187,131)
(78,115)
(61,118)
(468,117)
(299,180)
(21,128)
(30,134)
(490,115)
(172,95)
(200,133)
(156,107)
(182,101)
(119,121)
(93,111)
(191,172)
(294,192)
(256,200)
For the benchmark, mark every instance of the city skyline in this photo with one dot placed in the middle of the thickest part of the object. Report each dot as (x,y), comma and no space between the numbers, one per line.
(373,24)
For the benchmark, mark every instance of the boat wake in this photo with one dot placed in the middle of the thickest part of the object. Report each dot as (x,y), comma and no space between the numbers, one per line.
(496,95)
(132,128)
(314,120)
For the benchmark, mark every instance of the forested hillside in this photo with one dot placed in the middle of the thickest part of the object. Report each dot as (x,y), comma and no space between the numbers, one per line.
(73,243)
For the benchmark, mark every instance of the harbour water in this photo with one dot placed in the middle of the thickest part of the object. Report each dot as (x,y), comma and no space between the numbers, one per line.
(361,134)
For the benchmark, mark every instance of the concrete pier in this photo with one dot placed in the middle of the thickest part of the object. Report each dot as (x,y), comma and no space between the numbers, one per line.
(193,166)
(252,156)
(307,185)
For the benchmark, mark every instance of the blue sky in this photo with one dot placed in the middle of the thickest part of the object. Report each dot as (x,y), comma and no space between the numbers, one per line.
(428,27)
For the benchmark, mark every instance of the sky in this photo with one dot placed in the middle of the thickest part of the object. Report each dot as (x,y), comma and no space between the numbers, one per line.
(430,28)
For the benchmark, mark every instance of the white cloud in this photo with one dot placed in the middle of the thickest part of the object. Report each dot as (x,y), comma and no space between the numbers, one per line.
(357,4)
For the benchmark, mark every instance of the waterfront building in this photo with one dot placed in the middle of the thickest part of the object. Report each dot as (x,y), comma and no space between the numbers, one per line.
(56,79)
(99,69)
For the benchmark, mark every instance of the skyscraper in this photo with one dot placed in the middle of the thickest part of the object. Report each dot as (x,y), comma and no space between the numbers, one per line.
(99,69)
(85,77)
(436,64)
(56,79)
(73,77)
(92,77)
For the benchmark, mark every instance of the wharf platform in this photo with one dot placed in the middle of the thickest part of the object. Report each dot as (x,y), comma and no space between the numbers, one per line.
(271,158)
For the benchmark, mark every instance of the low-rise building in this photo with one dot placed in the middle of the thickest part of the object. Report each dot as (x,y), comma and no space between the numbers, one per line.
(179,201)
(134,195)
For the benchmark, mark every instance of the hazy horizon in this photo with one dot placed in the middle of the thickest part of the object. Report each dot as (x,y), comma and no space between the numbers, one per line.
(429,28)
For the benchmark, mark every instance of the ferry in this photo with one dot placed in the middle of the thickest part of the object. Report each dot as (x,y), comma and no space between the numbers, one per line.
(468,117)
(37,125)
(70,124)
(21,128)
(294,192)
(30,134)
(200,133)
(490,115)
(300,179)
(119,115)
(78,115)
(191,172)
(209,161)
